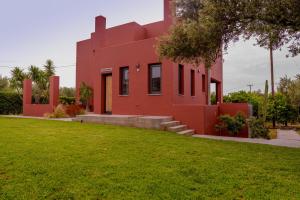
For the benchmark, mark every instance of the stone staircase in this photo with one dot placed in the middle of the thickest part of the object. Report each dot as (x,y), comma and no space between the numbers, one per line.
(177,127)
(165,123)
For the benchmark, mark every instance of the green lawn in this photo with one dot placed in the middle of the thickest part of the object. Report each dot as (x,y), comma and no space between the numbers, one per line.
(63,160)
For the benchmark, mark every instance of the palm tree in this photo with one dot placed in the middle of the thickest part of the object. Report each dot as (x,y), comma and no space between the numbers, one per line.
(49,68)
(17,78)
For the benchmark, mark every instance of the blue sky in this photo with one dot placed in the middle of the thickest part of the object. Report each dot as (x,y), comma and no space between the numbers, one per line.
(32,31)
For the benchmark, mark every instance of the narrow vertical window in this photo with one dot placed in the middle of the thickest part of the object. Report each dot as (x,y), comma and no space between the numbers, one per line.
(124,80)
(203,83)
(192,82)
(155,79)
(181,79)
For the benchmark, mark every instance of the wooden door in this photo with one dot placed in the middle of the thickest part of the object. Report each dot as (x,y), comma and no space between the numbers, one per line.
(108,94)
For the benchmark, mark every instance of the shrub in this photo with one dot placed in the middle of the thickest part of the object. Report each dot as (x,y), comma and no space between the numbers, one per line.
(67,100)
(73,110)
(59,112)
(258,128)
(10,103)
(233,125)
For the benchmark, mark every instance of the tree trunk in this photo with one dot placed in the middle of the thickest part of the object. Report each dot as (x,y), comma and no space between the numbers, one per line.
(272,80)
(207,85)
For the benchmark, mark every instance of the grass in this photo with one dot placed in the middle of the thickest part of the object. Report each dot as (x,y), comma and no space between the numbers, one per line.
(63,160)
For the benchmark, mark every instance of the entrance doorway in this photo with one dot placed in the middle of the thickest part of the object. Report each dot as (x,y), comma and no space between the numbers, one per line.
(108,94)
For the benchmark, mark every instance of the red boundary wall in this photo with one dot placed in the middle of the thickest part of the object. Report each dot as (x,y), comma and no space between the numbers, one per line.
(203,118)
(38,110)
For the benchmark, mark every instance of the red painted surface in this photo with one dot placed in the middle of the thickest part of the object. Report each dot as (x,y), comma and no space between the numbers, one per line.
(39,110)
(133,45)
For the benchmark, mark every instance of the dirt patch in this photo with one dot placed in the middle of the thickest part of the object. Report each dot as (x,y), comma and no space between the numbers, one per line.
(4,176)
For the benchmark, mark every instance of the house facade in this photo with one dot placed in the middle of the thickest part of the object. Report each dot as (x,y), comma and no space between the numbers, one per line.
(128,77)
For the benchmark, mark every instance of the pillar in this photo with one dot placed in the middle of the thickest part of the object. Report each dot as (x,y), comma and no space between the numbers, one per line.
(54,91)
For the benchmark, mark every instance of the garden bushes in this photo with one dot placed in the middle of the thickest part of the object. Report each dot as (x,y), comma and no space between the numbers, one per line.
(258,128)
(67,100)
(10,103)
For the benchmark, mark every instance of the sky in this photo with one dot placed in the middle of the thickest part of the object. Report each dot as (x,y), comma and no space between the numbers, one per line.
(33,31)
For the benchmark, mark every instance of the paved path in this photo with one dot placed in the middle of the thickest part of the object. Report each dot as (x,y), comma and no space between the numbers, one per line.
(43,118)
(285,139)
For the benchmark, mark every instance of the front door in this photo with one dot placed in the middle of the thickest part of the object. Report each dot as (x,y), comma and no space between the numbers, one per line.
(108,94)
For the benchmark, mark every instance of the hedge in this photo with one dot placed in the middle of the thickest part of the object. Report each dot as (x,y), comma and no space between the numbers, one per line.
(10,103)
(67,100)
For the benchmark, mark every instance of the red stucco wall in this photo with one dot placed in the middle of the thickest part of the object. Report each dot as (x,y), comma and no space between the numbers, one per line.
(133,45)
(39,110)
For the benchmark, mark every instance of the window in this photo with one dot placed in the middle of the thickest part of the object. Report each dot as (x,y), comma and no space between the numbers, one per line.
(181,79)
(155,79)
(124,80)
(203,83)
(192,82)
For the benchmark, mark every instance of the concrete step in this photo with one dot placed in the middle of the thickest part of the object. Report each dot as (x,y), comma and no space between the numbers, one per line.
(187,132)
(166,125)
(178,128)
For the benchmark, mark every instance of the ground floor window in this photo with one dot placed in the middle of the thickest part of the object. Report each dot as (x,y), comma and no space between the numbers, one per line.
(192,82)
(181,79)
(203,83)
(155,79)
(124,80)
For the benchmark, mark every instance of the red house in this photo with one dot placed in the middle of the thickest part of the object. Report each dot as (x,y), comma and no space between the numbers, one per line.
(128,78)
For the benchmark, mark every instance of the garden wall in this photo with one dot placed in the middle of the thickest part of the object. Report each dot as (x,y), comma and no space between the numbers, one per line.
(203,118)
(38,110)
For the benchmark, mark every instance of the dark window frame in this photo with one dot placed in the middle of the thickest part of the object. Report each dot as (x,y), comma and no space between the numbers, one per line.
(122,90)
(193,89)
(151,90)
(181,79)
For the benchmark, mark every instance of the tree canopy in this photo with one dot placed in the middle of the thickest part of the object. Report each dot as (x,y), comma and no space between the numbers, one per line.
(211,24)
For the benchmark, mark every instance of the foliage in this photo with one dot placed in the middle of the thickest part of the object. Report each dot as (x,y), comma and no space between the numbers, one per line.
(280,109)
(233,125)
(67,100)
(67,92)
(10,103)
(86,93)
(290,88)
(276,24)
(4,83)
(264,106)
(59,112)
(258,128)
(91,161)
(40,78)
(213,98)
(73,110)
(17,78)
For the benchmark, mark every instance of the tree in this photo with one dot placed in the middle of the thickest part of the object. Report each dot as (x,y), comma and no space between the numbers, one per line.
(281,109)
(67,92)
(203,26)
(17,78)
(290,88)
(4,83)
(85,92)
(40,78)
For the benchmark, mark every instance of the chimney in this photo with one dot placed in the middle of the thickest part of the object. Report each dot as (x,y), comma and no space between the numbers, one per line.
(168,17)
(100,25)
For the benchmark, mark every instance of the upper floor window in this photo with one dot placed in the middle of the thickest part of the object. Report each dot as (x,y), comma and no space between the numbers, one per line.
(155,79)
(181,79)
(124,80)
